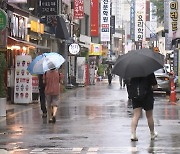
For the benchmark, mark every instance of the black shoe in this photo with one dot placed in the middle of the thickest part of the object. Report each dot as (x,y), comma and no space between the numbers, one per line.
(53,119)
(44,115)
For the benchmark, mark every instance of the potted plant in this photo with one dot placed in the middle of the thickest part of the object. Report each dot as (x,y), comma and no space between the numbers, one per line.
(2,85)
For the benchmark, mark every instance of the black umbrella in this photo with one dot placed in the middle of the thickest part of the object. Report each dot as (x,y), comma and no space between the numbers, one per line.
(138,63)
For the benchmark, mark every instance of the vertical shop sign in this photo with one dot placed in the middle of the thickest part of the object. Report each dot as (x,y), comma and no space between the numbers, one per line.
(168,31)
(153,22)
(23,80)
(94,17)
(78,9)
(140,19)
(112,24)
(132,20)
(174,15)
(105,20)
(49,7)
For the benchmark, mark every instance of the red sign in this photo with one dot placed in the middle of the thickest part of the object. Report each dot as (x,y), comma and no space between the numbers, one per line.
(78,9)
(94,18)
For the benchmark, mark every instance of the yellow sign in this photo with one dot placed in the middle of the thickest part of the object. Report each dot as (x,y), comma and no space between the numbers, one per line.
(37,27)
(95,49)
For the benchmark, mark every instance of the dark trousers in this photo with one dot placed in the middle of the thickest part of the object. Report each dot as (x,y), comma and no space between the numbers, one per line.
(109,78)
(42,100)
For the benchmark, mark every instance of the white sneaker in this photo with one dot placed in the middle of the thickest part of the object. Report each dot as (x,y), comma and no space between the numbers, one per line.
(154,135)
(134,137)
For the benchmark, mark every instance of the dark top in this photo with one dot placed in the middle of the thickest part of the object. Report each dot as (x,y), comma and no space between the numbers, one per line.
(41,84)
(152,79)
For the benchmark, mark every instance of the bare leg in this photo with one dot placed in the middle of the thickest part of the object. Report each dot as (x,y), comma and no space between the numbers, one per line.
(149,116)
(54,111)
(50,112)
(150,120)
(136,115)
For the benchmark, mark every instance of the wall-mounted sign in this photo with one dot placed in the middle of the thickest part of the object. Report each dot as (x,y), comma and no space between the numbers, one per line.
(3,19)
(95,49)
(49,7)
(37,27)
(74,49)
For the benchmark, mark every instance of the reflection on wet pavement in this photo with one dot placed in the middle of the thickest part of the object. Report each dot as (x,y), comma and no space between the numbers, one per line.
(94,119)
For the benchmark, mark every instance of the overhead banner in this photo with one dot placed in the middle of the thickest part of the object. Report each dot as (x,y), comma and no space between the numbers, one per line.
(94,18)
(105,20)
(140,20)
(78,9)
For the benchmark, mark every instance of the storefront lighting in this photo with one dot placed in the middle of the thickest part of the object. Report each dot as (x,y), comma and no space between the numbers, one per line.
(24,48)
(15,47)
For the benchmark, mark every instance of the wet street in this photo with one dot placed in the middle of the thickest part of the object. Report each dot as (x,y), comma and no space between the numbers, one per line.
(90,120)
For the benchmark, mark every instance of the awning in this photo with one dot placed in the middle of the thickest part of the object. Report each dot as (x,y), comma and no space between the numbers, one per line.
(18,10)
(28,44)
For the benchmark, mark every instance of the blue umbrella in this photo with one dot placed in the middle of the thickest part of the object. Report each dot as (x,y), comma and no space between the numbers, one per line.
(45,62)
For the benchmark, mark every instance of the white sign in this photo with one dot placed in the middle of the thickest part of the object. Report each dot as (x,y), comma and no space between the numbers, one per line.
(23,80)
(140,20)
(74,49)
(105,20)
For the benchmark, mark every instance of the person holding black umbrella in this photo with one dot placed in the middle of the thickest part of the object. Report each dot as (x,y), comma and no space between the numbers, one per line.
(139,66)
(143,100)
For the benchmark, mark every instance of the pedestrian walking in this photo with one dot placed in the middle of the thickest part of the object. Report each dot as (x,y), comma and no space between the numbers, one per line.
(121,82)
(52,90)
(42,96)
(143,100)
(109,73)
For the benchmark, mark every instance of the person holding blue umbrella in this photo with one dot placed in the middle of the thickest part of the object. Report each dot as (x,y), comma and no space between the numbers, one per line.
(52,80)
(47,64)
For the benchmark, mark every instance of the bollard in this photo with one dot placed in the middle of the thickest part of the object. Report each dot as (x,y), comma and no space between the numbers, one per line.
(173,92)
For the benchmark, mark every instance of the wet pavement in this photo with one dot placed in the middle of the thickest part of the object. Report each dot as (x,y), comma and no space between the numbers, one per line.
(90,120)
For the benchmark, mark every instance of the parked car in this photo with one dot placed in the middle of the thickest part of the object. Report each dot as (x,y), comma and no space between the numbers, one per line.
(163,80)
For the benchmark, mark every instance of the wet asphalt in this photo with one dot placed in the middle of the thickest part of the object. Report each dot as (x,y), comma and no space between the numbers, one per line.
(90,120)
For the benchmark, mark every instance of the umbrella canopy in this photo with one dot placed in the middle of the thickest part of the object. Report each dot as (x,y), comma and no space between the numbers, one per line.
(45,62)
(138,63)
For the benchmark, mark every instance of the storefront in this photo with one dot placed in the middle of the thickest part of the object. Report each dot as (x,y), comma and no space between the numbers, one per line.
(20,52)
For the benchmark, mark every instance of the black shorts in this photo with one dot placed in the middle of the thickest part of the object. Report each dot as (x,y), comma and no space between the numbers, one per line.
(147,103)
